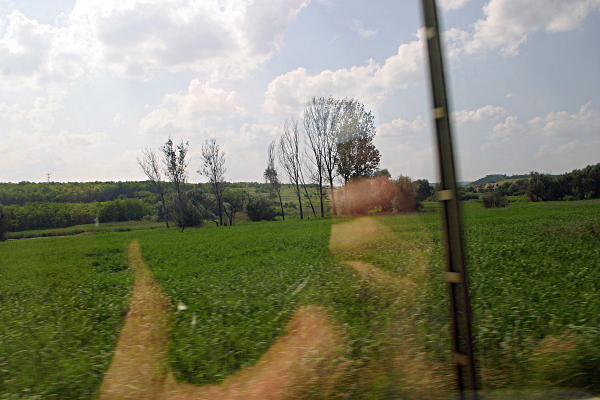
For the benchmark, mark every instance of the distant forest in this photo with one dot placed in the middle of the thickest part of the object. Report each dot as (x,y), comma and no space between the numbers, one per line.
(88,192)
(31,206)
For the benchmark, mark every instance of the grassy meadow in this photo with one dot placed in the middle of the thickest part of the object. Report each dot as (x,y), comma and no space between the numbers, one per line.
(534,272)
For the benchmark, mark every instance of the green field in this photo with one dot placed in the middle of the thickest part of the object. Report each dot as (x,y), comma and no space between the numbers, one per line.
(535,287)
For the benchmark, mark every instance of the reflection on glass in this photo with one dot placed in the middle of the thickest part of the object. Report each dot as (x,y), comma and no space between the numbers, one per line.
(103,296)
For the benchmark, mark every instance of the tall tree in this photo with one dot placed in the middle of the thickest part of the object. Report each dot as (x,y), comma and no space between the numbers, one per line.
(214,169)
(290,158)
(541,187)
(319,121)
(424,189)
(357,155)
(176,169)
(271,176)
(150,166)
(330,143)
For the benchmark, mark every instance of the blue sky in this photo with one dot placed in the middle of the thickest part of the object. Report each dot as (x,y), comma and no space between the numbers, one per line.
(86,85)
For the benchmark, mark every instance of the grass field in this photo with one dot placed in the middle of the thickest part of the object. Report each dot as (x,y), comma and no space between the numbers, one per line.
(535,281)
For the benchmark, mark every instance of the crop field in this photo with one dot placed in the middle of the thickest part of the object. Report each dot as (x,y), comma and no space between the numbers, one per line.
(370,290)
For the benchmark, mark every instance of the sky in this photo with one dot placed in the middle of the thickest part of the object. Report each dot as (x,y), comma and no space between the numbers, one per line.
(86,85)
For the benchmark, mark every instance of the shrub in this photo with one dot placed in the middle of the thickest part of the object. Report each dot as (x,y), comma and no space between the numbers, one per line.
(406,198)
(469,196)
(259,208)
(494,200)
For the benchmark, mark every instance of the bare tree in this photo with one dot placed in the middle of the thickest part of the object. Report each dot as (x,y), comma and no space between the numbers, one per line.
(330,144)
(214,170)
(150,166)
(320,118)
(176,170)
(271,176)
(290,159)
(305,186)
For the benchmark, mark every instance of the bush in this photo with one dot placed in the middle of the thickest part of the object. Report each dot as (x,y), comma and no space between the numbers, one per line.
(259,208)
(494,201)
(469,196)
(406,198)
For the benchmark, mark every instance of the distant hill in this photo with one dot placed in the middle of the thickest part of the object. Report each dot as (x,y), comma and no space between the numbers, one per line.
(489,179)
(498,178)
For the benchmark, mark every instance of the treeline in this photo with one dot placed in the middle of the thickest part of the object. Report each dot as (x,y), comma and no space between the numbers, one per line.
(71,192)
(47,215)
(576,185)
(89,192)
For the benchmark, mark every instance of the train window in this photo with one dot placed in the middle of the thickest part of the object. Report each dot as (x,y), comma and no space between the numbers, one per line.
(288,199)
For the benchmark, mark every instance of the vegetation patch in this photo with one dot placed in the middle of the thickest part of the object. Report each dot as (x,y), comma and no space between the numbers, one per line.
(235,292)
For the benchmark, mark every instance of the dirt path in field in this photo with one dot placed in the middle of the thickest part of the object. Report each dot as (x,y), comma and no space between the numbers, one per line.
(140,370)
(408,365)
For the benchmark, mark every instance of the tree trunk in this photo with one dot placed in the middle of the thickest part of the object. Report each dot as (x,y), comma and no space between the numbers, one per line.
(346,211)
(310,202)
(164,203)
(299,201)
(181,221)
(321,197)
(219,206)
(281,204)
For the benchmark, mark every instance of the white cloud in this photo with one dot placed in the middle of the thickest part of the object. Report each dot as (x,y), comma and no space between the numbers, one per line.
(35,54)
(570,147)
(487,113)
(452,4)
(140,38)
(371,83)
(503,130)
(581,129)
(220,38)
(508,23)
(401,127)
(117,120)
(411,159)
(38,119)
(39,146)
(358,26)
(247,137)
(585,122)
(187,111)
(245,149)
